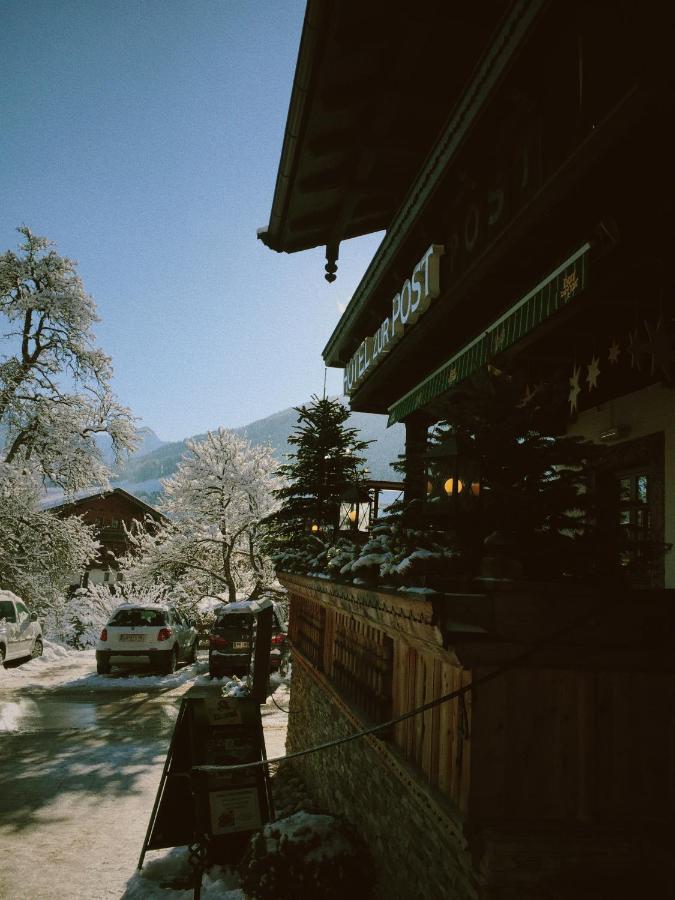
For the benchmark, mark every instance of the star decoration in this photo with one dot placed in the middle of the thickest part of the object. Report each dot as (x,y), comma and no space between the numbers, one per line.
(614,351)
(570,285)
(593,370)
(528,396)
(636,348)
(575,388)
(659,345)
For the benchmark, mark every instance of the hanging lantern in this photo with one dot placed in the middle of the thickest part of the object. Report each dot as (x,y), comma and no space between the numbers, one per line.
(355,509)
(453,486)
(454,467)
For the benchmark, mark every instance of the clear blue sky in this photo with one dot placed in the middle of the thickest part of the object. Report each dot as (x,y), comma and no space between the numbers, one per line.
(143,137)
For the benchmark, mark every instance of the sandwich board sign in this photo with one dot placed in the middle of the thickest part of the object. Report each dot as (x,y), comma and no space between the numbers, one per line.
(219,808)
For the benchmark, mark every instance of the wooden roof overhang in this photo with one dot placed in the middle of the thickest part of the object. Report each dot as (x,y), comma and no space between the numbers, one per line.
(570,207)
(372,88)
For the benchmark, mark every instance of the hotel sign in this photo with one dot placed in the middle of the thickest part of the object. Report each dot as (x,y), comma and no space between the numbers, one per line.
(411,302)
(544,300)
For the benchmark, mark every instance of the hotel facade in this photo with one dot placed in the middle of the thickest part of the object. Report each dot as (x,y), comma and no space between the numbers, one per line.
(518,158)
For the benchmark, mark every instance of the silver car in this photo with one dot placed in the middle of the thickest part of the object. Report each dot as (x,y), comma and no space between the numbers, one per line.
(150,632)
(20,631)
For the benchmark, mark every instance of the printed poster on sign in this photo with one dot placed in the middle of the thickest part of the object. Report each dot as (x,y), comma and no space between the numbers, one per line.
(223,711)
(234,810)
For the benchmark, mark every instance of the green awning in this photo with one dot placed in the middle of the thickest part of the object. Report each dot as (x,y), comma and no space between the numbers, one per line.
(543,301)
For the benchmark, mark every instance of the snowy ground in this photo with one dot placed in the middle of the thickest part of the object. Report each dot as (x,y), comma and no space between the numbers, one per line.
(80,759)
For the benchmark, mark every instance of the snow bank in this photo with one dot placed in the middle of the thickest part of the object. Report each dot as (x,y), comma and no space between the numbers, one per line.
(53,654)
(169,877)
(124,679)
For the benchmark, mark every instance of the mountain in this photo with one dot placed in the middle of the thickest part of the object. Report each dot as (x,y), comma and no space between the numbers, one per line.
(148,443)
(141,475)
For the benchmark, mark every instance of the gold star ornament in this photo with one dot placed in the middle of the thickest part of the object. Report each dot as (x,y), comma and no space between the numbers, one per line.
(593,370)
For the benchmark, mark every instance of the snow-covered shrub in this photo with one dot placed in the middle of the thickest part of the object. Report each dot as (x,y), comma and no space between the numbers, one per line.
(306,857)
(83,615)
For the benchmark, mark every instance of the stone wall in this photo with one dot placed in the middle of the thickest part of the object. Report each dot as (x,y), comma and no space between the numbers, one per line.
(414,834)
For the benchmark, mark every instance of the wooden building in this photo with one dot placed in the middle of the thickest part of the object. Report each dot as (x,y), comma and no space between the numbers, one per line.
(519,159)
(110,512)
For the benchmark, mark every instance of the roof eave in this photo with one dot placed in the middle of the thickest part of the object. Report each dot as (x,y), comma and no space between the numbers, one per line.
(317,15)
(487,76)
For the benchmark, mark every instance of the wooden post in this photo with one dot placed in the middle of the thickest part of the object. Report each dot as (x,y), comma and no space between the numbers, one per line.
(416,426)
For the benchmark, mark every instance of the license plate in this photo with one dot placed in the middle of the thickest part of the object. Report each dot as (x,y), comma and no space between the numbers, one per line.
(240,645)
(132,637)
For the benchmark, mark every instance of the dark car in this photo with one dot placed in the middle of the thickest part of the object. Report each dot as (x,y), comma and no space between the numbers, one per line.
(232,640)
(280,649)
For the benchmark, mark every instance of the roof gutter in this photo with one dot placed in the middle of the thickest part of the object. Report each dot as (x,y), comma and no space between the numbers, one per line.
(484,82)
(314,29)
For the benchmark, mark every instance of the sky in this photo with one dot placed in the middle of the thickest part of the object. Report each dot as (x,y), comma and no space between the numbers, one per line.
(143,138)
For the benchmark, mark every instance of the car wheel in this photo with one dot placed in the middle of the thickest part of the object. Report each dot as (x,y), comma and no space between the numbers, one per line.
(2,656)
(37,648)
(192,655)
(171,663)
(103,665)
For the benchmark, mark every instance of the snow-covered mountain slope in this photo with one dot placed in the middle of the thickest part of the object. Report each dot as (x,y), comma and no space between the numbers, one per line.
(141,474)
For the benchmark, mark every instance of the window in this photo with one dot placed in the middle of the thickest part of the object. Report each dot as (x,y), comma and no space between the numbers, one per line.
(633,517)
(136,617)
(23,613)
(7,611)
(632,508)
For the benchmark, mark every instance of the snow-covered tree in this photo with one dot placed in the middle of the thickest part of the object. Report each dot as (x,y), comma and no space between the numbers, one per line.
(38,550)
(216,501)
(55,392)
(325,464)
(55,399)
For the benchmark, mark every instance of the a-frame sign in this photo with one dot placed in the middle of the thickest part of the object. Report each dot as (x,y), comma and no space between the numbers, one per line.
(218,811)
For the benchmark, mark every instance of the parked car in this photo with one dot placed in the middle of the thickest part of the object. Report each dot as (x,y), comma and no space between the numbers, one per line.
(232,640)
(20,631)
(160,634)
(280,650)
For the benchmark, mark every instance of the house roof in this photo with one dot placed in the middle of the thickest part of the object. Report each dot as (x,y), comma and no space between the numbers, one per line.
(66,505)
(373,86)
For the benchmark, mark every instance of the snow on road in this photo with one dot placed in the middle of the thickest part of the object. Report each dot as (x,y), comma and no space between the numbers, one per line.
(57,664)
(80,759)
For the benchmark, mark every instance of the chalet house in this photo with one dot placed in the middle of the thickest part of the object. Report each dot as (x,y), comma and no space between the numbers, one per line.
(519,160)
(110,512)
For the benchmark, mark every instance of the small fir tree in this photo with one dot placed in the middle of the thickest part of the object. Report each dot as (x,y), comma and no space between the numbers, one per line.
(324,466)
(534,503)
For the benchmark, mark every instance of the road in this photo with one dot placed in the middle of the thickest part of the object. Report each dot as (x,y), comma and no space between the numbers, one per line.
(80,761)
